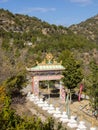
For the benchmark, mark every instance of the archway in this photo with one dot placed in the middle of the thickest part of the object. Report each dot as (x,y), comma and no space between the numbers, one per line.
(47,70)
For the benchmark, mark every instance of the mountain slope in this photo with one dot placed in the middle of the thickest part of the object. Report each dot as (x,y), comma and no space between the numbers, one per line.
(88,29)
(23,23)
(24,39)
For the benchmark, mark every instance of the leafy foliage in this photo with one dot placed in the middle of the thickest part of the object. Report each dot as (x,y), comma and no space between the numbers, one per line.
(73,73)
(2,97)
(10,121)
(15,83)
(92,85)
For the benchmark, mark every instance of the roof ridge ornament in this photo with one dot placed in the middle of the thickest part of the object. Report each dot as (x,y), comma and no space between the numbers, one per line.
(48,64)
(49,60)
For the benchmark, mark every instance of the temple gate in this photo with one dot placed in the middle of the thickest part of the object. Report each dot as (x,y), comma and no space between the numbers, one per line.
(48,70)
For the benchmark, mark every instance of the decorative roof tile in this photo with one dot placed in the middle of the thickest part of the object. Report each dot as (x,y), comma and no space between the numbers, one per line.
(47,64)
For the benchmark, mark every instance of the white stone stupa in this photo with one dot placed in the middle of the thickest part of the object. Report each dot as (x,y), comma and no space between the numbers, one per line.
(64,118)
(40,102)
(51,109)
(32,97)
(57,113)
(81,126)
(72,122)
(36,99)
(45,106)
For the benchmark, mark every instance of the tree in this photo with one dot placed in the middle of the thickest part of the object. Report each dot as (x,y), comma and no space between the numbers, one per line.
(19,43)
(15,83)
(92,85)
(73,72)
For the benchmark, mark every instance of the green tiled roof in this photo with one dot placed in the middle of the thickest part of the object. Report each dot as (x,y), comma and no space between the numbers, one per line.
(46,67)
(47,64)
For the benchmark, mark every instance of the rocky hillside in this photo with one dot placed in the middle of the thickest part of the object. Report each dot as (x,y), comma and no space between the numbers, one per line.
(88,28)
(23,23)
(24,39)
